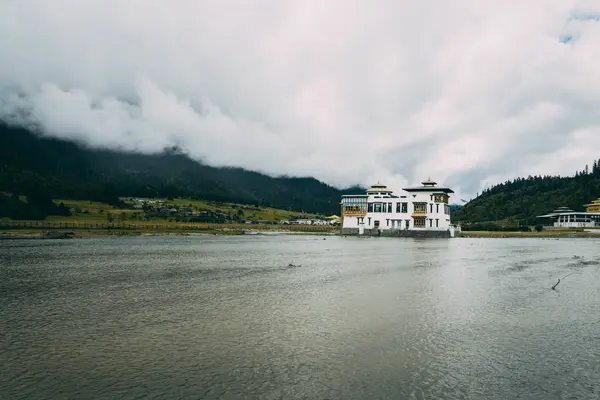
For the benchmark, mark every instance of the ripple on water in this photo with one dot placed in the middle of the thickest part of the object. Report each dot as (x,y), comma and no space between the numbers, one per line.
(217,317)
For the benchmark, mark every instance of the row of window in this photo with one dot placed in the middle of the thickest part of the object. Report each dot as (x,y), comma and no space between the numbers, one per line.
(355,209)
(354,200)
(403,208)
(419,222)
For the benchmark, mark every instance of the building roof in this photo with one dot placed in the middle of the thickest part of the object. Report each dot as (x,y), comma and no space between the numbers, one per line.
(428,186)
(428,189)
(562,209)
(428,182)
(557,214)
(593,203)
(379,188)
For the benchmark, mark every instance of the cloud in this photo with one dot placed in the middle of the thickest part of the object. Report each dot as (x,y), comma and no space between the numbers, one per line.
(469,93)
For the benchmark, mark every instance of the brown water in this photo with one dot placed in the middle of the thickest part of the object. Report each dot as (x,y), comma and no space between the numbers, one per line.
(225,318)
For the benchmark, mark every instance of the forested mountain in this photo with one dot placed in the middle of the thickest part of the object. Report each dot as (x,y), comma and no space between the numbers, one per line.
(43,168)
(523,199)
(56,168)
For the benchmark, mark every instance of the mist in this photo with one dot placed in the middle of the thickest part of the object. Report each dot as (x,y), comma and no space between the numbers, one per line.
(467,93)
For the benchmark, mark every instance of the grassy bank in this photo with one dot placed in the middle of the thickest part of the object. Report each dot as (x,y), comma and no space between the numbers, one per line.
(91,218)
(84,233)
(95,212)
(61,229)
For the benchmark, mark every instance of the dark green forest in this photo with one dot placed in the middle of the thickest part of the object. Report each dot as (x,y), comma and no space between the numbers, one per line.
(35,169)
(522,199)
(42,168)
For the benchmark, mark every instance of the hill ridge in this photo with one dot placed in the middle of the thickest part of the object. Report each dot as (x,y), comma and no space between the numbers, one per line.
(66,169)
(525,198)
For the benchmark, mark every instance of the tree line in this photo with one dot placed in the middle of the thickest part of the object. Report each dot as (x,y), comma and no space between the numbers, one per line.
(62,169)
(36,205)
(522,199)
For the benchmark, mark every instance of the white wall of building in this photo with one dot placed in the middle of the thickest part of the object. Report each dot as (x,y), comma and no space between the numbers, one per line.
(574,224)
(437,215)
(574,221)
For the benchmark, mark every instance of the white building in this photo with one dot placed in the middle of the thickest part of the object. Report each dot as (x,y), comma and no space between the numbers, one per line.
(421,208)
(564,217)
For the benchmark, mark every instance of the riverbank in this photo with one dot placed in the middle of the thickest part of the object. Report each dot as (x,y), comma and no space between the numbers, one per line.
(88,233)
(543,234)
(32,233)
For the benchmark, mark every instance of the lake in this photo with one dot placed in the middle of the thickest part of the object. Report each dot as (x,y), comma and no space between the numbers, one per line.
(227,317)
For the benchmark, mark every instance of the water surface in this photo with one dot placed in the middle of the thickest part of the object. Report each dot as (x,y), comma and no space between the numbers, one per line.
(220,317)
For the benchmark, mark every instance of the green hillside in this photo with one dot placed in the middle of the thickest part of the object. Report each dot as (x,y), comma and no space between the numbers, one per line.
(42,168)
(522,199)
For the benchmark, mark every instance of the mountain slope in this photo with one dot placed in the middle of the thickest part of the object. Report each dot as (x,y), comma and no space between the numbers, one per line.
(66,170)
(525,198)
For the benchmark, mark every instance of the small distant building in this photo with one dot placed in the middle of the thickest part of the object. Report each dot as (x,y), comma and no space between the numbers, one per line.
(417,211)
(333,220)
(564,217)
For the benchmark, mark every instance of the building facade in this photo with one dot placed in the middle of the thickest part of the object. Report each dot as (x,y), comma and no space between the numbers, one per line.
(414,212)
(564,217)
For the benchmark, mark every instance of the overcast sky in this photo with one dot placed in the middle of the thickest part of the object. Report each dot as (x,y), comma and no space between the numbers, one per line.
(467,92)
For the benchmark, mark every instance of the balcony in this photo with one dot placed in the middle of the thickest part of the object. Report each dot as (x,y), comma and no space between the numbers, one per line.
(354,211)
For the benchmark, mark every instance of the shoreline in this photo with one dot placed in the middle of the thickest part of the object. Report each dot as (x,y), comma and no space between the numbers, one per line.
(8,234)
(41,233)
(540,235)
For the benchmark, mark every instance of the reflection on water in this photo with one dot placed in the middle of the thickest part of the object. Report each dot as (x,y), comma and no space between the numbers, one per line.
(227,317)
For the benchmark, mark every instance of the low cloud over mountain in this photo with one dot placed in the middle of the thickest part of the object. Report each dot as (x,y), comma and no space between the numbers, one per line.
(469,93)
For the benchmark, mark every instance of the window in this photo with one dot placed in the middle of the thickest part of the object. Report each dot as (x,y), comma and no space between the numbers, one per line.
(404,207)
(437,208)
(420,207)
(431,208)
(377,208)
(354,206)
(370,207)
(398,205)
(441,198)
(437,223)
(369,221)
(419,222)
(387,222)
(377,224)
(389,207)
(430,223)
